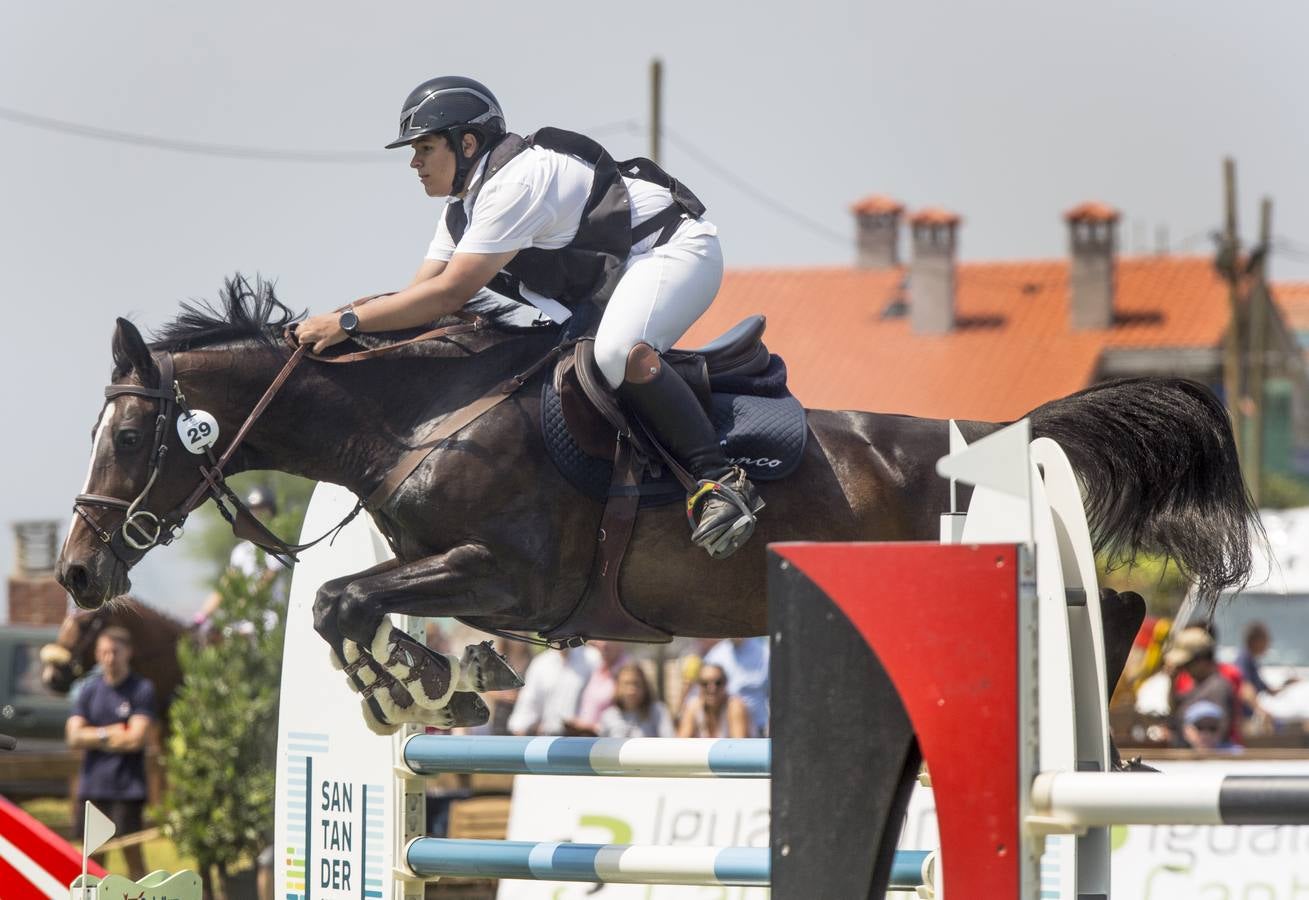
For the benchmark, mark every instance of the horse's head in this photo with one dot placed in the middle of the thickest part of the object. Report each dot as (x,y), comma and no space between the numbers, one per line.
(138,480)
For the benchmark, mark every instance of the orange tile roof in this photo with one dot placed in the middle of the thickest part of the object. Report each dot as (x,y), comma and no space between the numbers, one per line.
(1293,299)
(1010,351)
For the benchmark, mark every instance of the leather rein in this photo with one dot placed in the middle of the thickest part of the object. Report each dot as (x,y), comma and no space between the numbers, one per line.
(142,529)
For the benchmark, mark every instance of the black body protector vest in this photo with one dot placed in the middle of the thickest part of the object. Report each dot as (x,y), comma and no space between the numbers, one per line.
(588,269)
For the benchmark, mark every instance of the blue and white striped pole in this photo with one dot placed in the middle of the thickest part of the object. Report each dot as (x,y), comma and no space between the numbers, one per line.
(430,754)
(620,863)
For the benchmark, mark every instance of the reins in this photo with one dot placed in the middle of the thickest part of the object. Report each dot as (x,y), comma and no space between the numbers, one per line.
(141,529)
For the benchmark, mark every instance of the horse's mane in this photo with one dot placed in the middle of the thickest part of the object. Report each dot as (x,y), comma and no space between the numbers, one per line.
(252,313)
(244,312)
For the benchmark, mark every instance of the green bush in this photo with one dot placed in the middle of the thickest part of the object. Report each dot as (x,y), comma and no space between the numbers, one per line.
(221,758)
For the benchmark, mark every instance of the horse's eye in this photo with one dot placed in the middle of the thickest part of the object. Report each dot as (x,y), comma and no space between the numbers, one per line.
(127,439)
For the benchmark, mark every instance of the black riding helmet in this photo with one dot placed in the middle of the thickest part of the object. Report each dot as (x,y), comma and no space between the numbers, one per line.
(453,105)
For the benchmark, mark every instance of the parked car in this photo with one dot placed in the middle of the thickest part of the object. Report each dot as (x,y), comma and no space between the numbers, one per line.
(29,711)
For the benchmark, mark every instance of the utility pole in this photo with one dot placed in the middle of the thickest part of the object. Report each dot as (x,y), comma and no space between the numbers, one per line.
(1258,350)
(656,139)
(1229,266)
(656,107)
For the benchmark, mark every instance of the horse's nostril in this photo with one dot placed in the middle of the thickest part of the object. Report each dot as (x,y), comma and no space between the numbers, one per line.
(76,579)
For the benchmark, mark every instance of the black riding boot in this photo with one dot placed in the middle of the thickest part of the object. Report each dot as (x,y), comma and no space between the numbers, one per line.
(722,510)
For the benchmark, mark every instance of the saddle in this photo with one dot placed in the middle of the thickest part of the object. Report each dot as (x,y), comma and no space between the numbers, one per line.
(610,456)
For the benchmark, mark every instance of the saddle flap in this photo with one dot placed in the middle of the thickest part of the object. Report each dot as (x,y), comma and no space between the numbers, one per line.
(592,430)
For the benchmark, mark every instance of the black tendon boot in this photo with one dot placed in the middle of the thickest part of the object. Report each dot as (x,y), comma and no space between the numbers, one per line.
(722,509)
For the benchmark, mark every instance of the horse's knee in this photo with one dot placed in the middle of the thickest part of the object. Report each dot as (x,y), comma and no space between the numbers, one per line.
(358,615)
(325,612)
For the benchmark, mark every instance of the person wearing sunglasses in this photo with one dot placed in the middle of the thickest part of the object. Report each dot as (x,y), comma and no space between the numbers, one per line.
(1204,726)
(713,712)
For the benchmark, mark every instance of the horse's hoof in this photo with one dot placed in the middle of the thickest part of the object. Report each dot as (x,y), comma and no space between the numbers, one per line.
(428,676)
(483,669)
(465,710)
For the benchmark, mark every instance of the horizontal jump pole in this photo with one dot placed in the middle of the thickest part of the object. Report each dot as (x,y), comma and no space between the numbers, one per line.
(620,863)
(431,754)
(1097,799)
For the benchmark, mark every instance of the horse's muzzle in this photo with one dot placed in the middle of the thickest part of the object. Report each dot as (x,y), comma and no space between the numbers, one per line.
(89,588)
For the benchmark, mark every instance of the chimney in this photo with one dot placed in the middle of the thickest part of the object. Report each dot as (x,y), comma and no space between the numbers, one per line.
(877,231)
(35,598)
(1092,236)
(931,274)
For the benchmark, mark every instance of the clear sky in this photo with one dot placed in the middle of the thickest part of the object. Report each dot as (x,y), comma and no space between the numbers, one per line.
(778,115)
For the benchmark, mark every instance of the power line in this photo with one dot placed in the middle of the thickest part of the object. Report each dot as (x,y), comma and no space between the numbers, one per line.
(196,148)
(231,151)
(759,196)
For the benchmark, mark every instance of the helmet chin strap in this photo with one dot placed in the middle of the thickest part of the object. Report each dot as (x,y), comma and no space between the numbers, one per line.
(464,165)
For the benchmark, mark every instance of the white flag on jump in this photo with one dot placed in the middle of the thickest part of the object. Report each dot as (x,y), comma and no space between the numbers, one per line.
(96,829)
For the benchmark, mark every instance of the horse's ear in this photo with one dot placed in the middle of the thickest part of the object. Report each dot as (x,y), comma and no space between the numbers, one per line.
(131,354)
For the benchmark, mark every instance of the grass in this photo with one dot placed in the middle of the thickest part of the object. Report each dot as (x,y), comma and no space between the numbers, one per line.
(161,853)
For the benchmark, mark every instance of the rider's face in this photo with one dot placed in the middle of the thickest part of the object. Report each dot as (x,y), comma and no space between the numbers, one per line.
(434,162)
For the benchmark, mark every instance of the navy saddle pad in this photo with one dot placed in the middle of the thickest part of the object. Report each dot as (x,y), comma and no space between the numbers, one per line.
(764,435)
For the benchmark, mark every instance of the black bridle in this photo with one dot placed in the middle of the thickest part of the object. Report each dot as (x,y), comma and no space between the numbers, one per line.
(142,529)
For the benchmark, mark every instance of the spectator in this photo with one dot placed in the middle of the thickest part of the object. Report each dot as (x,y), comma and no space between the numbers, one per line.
(1257,642)
(111,722)
(1204,726)
(552,687)
(1200,678)
(714,712)
(598,694)
(745,660)
(635,712)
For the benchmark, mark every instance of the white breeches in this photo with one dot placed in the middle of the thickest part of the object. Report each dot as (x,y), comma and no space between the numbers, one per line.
(659,297)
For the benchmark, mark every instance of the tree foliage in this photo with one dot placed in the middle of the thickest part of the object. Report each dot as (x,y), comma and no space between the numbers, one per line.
(210,538)
(223,748)
(221,758)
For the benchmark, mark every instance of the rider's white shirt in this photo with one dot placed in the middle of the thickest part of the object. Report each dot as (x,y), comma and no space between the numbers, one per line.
(536,200)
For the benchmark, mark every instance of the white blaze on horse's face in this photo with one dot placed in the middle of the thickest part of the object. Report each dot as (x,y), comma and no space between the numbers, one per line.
(102,428)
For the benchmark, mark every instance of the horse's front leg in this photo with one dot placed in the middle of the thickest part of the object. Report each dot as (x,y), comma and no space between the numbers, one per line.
(400,678)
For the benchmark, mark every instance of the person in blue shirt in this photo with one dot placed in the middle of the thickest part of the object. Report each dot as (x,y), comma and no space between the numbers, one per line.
(112,722)
(1256,644)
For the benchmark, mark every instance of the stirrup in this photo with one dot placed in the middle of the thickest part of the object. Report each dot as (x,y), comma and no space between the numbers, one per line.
(730,534)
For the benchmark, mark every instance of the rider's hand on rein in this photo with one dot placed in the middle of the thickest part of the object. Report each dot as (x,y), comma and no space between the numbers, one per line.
(320,331)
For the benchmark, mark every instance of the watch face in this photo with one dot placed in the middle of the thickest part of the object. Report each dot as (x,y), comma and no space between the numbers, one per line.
(349,322)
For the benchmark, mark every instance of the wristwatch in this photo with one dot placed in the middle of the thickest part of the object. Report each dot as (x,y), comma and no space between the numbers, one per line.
(103,735)
(349,322)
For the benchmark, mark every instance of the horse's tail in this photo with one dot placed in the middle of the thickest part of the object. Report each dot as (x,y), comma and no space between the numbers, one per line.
(1160,475)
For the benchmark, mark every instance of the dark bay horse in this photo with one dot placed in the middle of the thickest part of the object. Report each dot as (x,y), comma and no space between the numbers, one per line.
(488,531)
